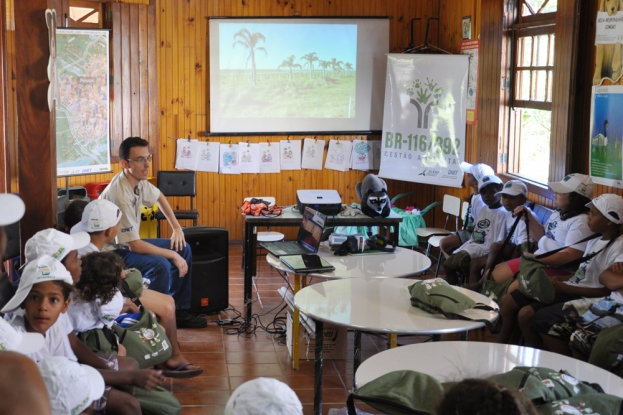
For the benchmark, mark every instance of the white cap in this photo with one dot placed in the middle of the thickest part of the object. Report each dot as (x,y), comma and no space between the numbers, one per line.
(610,205)
(576,182)
(514,188)
(478,170)
(12,208)
(17,341)
(72,387)
(42,269)
(263,396)
(98,215)
(487,180)
(54,243)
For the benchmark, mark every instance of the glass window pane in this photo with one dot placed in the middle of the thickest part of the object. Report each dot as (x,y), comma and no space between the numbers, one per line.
(539,81)
(77,13)
(550,80)
(534,144)
(523,85)
(550,7)
(525,51)
(542,51)
(551,49)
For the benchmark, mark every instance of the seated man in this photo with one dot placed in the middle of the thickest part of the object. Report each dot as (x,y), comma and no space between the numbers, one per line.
(166,263)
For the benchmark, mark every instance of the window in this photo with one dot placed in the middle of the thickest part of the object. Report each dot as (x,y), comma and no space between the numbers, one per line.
(85,14)
(532,80)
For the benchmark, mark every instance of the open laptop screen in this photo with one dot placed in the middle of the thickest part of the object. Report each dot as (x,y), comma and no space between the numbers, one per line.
(311,228)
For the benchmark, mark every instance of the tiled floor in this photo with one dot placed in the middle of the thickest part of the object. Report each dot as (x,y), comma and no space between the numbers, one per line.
(230,360)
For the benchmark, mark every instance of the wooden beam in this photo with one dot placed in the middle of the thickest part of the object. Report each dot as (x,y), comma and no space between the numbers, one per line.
(36,124)
(4,106)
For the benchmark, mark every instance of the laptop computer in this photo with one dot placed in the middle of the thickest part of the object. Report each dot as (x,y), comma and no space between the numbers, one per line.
(307,263)
(307,240)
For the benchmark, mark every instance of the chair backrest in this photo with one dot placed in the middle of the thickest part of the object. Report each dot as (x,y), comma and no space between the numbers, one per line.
(542,212)
(264,198)
(464,208)
(177,183)
(452,205)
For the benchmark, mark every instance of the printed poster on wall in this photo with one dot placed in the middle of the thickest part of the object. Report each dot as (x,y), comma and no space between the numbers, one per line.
(424,119)
(606,164)
(208,156)
(470,48)
(608,39)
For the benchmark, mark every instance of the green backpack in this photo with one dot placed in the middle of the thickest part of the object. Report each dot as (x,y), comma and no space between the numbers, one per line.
(607,351)
(542,385)
(402,392)
(436,296)
(594,404)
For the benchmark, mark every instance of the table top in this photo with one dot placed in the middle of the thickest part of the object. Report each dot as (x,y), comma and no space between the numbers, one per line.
(454,361)
(400,264)
(382,305)
(291,216)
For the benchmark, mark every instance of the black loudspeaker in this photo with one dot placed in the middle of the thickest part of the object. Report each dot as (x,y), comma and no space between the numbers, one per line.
(210,285)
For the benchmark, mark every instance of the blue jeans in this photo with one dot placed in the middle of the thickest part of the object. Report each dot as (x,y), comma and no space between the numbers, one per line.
(163,274)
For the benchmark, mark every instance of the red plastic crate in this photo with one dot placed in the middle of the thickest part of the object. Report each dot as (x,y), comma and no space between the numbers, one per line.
(94,189)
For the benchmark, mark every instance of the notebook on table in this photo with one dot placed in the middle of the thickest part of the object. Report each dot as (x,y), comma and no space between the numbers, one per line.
(307,263)
(307,240)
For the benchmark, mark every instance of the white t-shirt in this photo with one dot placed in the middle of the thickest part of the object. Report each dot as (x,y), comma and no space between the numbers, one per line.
(559,233)
(521,234)
(87,316)
(588,273)
(56,338)
(87,250)
(121,193)
(475,207)
(490,227)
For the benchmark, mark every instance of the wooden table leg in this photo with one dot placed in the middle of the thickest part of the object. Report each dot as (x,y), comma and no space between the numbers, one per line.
(296,326)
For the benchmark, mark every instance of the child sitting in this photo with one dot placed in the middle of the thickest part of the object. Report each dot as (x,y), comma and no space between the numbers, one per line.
(473,173)
(606,212)
(100,219)
(490,227)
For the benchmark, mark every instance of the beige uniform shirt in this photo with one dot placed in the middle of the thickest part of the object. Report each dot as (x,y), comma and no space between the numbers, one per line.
(120,192)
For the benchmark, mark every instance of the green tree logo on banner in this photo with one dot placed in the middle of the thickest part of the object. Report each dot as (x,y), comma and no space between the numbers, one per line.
(421,93)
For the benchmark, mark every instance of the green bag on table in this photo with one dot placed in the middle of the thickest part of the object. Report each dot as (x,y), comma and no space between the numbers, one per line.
(402,392)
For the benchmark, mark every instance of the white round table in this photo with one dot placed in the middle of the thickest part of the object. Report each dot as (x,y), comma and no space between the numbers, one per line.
(453,361)
(378,305)
(402,263)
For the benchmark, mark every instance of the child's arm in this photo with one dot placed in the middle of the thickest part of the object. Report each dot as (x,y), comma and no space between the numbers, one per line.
(612,278)
(561,287)
(146,378)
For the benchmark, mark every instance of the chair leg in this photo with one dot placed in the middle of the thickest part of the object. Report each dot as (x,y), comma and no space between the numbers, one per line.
(439,258)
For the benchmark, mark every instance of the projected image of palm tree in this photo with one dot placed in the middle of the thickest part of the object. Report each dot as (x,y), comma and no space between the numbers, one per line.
(287,70)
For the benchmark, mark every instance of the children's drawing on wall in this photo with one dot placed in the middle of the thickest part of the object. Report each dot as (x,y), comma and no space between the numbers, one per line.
(249,158)
(229,159)
(606,160)
(208,156)
(269,161)
(187,154)
(361,158)
(608,51)
(290,154)
(338,155)
(313,153)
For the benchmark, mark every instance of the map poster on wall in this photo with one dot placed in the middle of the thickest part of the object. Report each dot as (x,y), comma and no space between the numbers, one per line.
(423,137)
(606,163)
(470,48)
(82,114)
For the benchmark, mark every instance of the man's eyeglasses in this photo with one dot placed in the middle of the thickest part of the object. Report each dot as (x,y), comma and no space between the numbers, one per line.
(142,160)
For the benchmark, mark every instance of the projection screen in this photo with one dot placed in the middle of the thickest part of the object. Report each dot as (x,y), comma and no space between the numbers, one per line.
(281,75)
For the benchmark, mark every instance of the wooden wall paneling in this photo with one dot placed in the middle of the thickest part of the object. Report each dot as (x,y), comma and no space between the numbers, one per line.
(133,1)
(142,80)
(152,81)
(36,128)
(5,144)
(126,75)
(135,63)
(13,166)
(116,131)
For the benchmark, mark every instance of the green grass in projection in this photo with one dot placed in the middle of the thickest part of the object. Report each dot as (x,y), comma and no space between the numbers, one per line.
(288,71)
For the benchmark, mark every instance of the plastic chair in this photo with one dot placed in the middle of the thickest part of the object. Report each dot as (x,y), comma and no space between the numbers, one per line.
(178,183)
(407,228)
(435,241)
(268,236)
(452,207)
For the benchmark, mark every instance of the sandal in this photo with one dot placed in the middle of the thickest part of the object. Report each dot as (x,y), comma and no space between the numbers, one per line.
(181,372)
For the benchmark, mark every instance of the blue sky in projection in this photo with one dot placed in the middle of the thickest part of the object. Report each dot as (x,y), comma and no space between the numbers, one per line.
(608,107)
(283,40)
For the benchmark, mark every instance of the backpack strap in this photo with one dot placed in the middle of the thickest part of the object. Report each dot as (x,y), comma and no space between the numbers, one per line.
(132,295)
(350,403)
(579,260)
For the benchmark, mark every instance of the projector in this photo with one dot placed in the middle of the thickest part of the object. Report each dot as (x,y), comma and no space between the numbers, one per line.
(328,202)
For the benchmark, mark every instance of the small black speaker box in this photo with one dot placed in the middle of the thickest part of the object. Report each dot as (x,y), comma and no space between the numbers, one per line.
(210,285)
